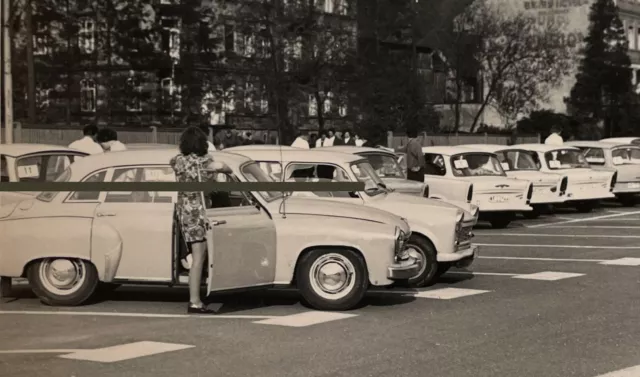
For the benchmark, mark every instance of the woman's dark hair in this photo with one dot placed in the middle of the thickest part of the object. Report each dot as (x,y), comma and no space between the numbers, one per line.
(412,133)
(90,130)
(193,140)
(105,135)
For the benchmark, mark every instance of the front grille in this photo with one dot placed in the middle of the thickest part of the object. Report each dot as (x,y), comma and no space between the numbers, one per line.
(463,237)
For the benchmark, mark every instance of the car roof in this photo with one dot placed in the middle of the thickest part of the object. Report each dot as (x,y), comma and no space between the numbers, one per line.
(299,155)
(160,156)
(492,148)
(540,147)
(594,144)
(21,149)
(449,150)
(354,149)
(627,140)
(265,147)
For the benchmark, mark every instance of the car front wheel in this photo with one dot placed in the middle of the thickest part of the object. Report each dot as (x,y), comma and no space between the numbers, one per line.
(63,282)
(332,279)
(427,258)
(500,221)
(585,207)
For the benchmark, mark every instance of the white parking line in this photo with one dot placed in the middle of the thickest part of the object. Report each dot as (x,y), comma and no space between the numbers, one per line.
(558,246)
(623,262)
(125,351)
(628,372)
(10,352)
(599,227)
(585,219)
(305,319)
(548,259)
(132,315)
(555,235)
(439,294)
(546,275)
(480,273)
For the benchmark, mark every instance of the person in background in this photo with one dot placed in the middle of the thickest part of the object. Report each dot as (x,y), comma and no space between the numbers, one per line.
(359,142)
(338,139)
(247,139)
(205,130)
(301,141)
(320,142)
(347,139)
(108,138)
(331,138)
(555,138)
(88,142)
(312,140)
(414,157)
(194,164)
(229,139)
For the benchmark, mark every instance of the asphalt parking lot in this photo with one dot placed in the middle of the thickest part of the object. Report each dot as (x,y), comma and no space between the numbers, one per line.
(557,296)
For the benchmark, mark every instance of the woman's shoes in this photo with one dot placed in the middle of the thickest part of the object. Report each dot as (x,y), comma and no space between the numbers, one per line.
(191,309)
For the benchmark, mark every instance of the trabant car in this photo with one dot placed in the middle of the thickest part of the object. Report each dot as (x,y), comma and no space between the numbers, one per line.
(585,186)
(498,196)
(440,236)
(623,140)
(32,163)
(386,164)
(332,252)
(548,188)
(624,158)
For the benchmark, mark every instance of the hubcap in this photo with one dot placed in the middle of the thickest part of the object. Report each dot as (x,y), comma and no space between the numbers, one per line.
(62,276)
(332,276)
(417,255)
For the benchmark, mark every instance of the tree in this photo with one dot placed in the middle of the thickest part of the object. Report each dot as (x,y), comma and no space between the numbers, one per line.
(603,89)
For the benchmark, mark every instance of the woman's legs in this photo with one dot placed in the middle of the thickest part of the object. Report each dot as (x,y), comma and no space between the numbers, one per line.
(198,250)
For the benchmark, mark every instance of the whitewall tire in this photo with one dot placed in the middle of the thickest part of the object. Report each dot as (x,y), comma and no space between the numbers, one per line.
(63,281)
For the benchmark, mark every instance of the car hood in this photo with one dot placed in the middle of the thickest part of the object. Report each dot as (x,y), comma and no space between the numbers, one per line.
(418,209)
(535,177)
(404,185)
(497,185)
(320,207)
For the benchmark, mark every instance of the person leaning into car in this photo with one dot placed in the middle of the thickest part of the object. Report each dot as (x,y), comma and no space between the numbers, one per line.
(415,158)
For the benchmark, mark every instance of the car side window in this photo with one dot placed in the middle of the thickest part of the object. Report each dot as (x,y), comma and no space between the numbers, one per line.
(4,169)
(90,195)
(317,173)
(142,174)
(227,199)
(594,156)
(55,165)
(274,169)
(434,164)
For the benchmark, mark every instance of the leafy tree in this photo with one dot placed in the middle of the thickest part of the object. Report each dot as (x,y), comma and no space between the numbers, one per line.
(603,89)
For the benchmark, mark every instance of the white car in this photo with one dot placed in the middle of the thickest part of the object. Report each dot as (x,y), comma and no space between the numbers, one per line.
(548,188)
(624,158)
(440,237)
(498,196)
(394,176)
(585,186)
(622,140)
(32,163)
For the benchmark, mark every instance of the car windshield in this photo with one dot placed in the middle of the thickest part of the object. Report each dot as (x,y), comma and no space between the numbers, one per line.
(566,159)
(364,172)
(253,173)
(386,166)
(519,160)
(476,164)
(626,156)
(47,196)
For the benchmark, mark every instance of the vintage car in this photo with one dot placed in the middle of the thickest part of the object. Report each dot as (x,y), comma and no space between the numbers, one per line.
(32,163)
(622,140)
(441,236)
(548,188)
(624,158)
(394,176)
(585,186)
(332,252)
(498,196)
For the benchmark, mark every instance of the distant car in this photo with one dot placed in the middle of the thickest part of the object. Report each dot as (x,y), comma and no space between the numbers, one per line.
(440,234)
(586,186)
(548,188)
(66,243)
(32,163)
(624,158)
(622,140)
(498,196)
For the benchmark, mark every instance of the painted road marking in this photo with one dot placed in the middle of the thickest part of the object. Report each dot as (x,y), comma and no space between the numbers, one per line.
(125,351)
(480,273)
(448,293)
(133,315)
(551,259)
(585,219)
(599,227)
(305,319)
(5,352)
(557,246)
(548,276)
(623,262)
(628,372)
(555,235)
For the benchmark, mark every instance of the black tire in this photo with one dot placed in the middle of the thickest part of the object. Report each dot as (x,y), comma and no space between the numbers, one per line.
(106,288)
(500,222)
(532,215)
(429,270)
(628,200)
(80,295)
(443,268)
(585,207)
(314,298)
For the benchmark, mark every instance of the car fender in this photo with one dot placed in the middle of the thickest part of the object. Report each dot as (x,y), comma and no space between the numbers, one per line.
(106,250)
(448,188)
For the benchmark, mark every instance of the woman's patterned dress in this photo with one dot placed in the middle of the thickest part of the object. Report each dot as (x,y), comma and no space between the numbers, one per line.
(191,211)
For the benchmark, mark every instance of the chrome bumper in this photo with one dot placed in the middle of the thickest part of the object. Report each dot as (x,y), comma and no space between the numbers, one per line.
(403,270)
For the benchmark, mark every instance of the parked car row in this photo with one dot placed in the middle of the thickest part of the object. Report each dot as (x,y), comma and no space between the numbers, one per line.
(332,246)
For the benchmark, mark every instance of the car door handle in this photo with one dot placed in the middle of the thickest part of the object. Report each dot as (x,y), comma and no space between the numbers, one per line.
(105,214)
(218,222)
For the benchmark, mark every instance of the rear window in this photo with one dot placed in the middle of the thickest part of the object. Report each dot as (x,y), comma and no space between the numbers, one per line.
(42,168)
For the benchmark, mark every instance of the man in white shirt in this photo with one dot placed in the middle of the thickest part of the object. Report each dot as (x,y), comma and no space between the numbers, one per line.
(88,144)
(320,141)
(328,142)
(301,142)
(108,138)
(554,138)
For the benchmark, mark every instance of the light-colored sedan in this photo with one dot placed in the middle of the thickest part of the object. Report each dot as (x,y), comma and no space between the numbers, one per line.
(32,163)
(623,140)
(498,196)
(440,236)
(548,188)
(332,252)
(585,186)
(624,158)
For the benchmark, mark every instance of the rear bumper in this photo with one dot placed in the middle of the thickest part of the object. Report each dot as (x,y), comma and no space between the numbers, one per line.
(588,195)
(546,197)
(468,254)
(626,188)
(505,208)
(403,270)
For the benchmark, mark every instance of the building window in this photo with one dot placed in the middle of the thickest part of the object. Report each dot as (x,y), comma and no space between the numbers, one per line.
(328,102)
(211,106)
(134,91)
(171,98)
(254,101)
(328,6)
(632,37)
(41,41)
(171,38)
(229,102)
(42,97)
(264,100)
(342,107)
(87,36)
(293,51)
(313,106)
(87,96)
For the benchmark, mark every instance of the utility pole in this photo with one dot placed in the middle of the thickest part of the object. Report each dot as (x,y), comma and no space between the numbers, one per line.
(6,60)
(31,84)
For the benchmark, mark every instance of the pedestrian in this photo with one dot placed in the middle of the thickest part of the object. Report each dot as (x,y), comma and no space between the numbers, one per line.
(301,141)
(312,140)
(88,142)
(194,164)
(331,138)
(338,139)
(229,139)
(320,142)
(555,138)
(108,138)
(414,157)
(359,141)
(205,129)
(348,140)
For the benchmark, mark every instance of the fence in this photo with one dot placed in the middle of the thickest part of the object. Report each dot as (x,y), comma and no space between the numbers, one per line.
(394,141)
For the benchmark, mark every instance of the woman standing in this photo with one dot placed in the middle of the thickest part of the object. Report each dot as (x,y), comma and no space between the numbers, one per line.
(194,164)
